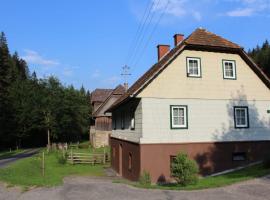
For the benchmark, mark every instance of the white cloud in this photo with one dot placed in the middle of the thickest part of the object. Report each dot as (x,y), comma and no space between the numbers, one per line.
(241,12)
(249,8)
(176,8)
(34,57)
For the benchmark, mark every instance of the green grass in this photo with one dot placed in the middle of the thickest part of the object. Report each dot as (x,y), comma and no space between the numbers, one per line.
(7,154)
(28,172)
(212,182)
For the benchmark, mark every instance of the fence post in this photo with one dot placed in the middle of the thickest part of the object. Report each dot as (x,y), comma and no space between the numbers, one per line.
(43,163)
(104,155)
(72,157)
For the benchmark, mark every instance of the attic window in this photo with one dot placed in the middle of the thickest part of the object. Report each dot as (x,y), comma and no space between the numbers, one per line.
(193,67)
(229,69)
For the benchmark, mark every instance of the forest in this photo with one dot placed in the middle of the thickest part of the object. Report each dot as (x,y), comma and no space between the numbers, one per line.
(31,107)
(261,55)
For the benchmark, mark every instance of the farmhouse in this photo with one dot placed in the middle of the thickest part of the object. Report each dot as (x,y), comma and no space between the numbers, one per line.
(204,97)
(101,122)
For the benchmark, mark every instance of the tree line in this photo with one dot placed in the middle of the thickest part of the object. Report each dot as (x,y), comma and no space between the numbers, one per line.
(32,107)
(261,55)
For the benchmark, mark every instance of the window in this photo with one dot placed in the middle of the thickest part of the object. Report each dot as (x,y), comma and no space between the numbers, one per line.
(122,120)
(239,156)
(172,159)
(241,117)
(114,122)
(129,161)
(179,117)
(132,120)
(193,67)
(229,71)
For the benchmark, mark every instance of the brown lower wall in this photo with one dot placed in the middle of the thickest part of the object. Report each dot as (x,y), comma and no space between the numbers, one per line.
(211,157)
(155,158)
(127,148)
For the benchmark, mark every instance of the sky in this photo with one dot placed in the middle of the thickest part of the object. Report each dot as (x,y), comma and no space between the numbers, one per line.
(87,42)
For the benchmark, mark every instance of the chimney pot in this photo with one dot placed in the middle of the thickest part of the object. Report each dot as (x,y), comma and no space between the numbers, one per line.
(178,38)
(162,50)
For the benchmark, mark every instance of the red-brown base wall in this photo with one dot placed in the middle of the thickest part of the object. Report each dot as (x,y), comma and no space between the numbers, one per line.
(127,148)
(211,157)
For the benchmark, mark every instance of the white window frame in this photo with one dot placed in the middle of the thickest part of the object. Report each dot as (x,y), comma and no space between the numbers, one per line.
(199,67)
(246,125)
(224,69)
(132,123)
(175,126)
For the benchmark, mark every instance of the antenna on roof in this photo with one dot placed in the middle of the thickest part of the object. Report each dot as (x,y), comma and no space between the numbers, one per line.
(125,73)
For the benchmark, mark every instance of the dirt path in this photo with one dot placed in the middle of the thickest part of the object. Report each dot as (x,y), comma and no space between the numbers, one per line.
(85,188)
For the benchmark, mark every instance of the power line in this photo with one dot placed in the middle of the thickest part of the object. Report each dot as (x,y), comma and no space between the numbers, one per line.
(152,33)
(141,25)
(143,31)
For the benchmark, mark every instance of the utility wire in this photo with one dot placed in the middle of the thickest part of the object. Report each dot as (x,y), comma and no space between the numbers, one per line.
(143,32)
(138,32)
(152,33)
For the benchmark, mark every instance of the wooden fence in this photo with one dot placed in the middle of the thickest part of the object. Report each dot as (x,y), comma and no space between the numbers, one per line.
(88,158)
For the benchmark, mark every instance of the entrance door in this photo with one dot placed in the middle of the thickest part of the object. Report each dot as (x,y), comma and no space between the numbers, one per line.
(120,159)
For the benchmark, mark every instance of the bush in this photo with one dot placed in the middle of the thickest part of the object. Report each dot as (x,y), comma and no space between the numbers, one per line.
(184,170)
(145,178)
(62,158)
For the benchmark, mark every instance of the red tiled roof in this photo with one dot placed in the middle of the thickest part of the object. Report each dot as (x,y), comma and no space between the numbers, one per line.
(199,39)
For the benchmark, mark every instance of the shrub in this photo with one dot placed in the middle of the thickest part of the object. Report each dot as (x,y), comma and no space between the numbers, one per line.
(184,170)
(62,158)
(145,178)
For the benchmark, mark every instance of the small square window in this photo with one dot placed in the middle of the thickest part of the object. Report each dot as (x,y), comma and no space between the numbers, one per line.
(241,119)
(193,67)
(239,156)
(178,117)
(229,70)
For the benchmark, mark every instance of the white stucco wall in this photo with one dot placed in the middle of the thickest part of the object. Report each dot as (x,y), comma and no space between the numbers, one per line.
(208,121)
(173,82)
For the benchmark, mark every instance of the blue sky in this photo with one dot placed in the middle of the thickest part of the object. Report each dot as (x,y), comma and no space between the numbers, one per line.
(86,42)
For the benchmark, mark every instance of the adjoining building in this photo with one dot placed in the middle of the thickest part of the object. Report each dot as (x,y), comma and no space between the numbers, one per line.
(101,122)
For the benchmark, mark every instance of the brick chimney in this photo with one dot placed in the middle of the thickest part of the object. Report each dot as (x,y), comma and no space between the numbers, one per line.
(162,50)
(178,38)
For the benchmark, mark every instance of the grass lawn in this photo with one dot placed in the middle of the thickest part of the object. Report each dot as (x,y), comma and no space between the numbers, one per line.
(28,171)
(7,154)
(212,182)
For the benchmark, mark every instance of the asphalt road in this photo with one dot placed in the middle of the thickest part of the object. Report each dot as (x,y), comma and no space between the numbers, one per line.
(102,189)
(25,154)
